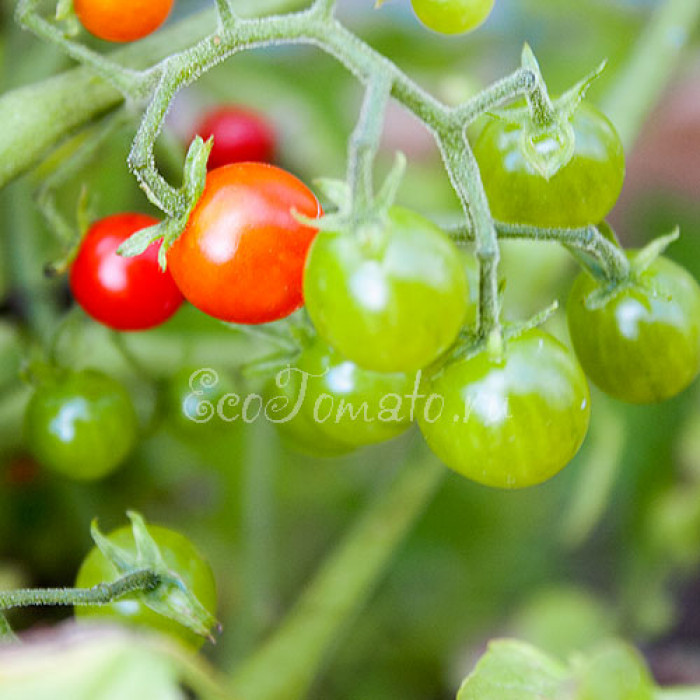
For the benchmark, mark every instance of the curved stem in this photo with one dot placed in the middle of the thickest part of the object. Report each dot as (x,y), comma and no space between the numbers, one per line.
(101,594)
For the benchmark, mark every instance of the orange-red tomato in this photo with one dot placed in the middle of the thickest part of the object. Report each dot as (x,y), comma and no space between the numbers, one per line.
(122,20)
(241,256)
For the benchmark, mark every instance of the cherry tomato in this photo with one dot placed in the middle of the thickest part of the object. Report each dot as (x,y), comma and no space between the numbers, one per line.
(122,20)
(241,256)
(179,554)
(127,294)
(452,16)
(643,344)
(511,423)
(392,300)
(80,424)
(580,193)
(239,135)
(337,404)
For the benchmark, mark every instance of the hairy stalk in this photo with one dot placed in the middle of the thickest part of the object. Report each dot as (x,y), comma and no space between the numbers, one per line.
(101,594)
(364,143)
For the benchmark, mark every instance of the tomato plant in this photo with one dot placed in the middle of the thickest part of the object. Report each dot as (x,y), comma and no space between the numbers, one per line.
(511,421)
(241,256)
(239,135)
(179,555)
(375,297)
(122,20)
(80,424)
(581,192)
(127,294)
(452,16)
(643,344)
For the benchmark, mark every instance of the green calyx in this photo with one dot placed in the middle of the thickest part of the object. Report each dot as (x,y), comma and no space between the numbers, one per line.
(367,223)
(169,230)
(170,597)
(547,136)
(639,263)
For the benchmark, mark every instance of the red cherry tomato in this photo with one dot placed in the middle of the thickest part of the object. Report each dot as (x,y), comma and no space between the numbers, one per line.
(122,20)
(239,135)
(241,256)
(127,294)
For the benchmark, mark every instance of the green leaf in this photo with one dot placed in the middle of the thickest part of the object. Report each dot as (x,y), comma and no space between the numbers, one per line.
(615,672)
(195,170)
(512,670)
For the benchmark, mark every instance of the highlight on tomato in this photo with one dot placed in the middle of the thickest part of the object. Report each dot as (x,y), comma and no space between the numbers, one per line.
(124,293)
(241,256)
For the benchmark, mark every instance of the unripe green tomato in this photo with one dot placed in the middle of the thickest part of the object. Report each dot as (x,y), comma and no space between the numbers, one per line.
(179,555)
(392,298)
(510,423)
(452,16)
(580,193)
(643,345)
(194,398)
(335,406)
(80,424)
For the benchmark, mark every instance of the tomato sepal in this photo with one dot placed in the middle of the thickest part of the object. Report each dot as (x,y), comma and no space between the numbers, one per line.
(171,597)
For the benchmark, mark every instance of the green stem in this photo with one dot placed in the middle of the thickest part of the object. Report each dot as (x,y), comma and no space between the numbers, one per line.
(521,82)
(129,82)
(463,172)
(646,74)
(101,594)
(364,144)
(286,665)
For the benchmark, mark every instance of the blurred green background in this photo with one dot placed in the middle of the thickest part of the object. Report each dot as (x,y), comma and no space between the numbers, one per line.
(610,546)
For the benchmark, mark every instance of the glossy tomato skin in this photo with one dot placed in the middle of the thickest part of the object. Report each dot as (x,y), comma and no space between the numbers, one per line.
(80,424)
(179,554)
(338,405)
(392,301)
(452,16)
(580,193)
(241,256)
(509,424)
(127,294)
(239,135)
(122,20)
(643,345)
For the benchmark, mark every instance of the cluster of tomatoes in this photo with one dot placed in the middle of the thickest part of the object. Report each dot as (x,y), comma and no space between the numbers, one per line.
(390,304)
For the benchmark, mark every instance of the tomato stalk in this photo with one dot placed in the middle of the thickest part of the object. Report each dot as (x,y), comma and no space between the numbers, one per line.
(363,146)
(101,594)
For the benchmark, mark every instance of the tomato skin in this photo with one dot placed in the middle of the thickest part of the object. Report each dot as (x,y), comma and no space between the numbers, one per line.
(452,16)
(580,193)
(242,253)
(325,391)
(127,294)
(80,424)
(643,345)
(511,424)
(391,302)
(239,135)
(122,20)
(179,554)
